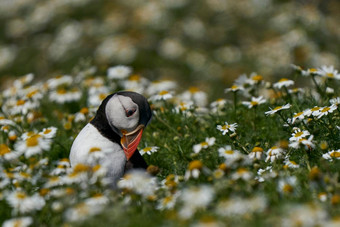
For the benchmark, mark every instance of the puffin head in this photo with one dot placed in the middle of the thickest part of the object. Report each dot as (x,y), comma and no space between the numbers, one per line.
(127,113)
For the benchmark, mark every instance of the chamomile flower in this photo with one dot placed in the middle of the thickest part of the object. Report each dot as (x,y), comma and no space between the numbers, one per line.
(162,95)
(298,134)
(298,116)
(33,144)
(255,101)
(277,109)
(96,99)
(194,94)
(203,145)
(159,86)
(149,150)
(274,153)
(194,169)
(139,182)
(184,107)
(256,153)
(335,101)
(7,154)
(23,203)
(328,72)
(119,72)
(58,81)
(307,143)
(18,222)
(61,95)
(168,202)
(287,185)
(218,105)
(49,133)
(234,88)
(228,153)
(81,212)
(242,173)
(135,83)
(291,164)
(284,82)
(326,110)
(189,198)
(334,154)
(227,127)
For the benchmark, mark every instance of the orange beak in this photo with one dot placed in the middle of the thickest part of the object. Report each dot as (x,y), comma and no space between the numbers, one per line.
(131,140)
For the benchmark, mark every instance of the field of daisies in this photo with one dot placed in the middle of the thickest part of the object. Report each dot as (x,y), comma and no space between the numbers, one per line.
(264,154)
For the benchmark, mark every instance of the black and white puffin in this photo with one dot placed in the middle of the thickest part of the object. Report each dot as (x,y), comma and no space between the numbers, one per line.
(116,130)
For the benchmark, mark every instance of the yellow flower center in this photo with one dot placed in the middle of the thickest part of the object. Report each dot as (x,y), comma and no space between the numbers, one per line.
(84,110)
(96,168)
(61,91)
(229,152)
(330,75)
(80,168)
(32,141)
(298,114)
(234,87)
(32,93)
(204,144)
(193,89)
(135,77)
(292,162)
(257,149)
(257,78)
(283,80)
(325,109)
(254,103)
(313,70)
(47,131)
(4,149)
(167,200)
(335,154)
(20,102)
(315,108)
(225,127)
(241,171)
(196,164)
(102,96)
(277,108)
(287,188)
(21,195)
(147,149)
(163,92)
(298,134)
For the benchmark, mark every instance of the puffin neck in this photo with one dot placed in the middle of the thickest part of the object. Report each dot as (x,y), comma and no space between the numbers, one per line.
(101,123)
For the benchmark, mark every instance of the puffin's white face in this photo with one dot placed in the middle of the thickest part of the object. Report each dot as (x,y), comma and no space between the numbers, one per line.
(122,114)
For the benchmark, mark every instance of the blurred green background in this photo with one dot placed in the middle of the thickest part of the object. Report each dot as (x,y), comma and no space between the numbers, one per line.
(205,43)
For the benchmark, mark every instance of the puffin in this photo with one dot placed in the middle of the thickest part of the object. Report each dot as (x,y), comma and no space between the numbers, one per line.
(116,131)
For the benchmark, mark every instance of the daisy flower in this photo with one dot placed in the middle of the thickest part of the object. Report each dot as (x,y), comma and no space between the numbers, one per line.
(274,153)
(254,102)
(242,173)
(287,185)
(228,153)
(7,154)
(149,150)
(334,154)
(256,153)
(298,116)
(119,72)
(23,203)
(195,95)
(61,95)
(203,145)
(190,202)
(24,80)
(58,81)
(326,110)
(284,82)
(18,222)
(49,133)
(160,85)
(234,88)
(298,134)
(184,107)
(335,101)
(135,83)
(194,169)
(277,109)
(32,144)
(218,104)
(96,99)
(139,182)
(291,164)
(81,212)
(328,72)
(162,95)
(308,143)
(168,202)
(227,127)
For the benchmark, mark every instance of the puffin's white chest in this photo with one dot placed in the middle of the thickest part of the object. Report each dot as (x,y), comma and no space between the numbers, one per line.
(110,155)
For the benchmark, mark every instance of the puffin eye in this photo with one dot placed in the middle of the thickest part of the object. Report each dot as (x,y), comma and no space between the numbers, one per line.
(130,112)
